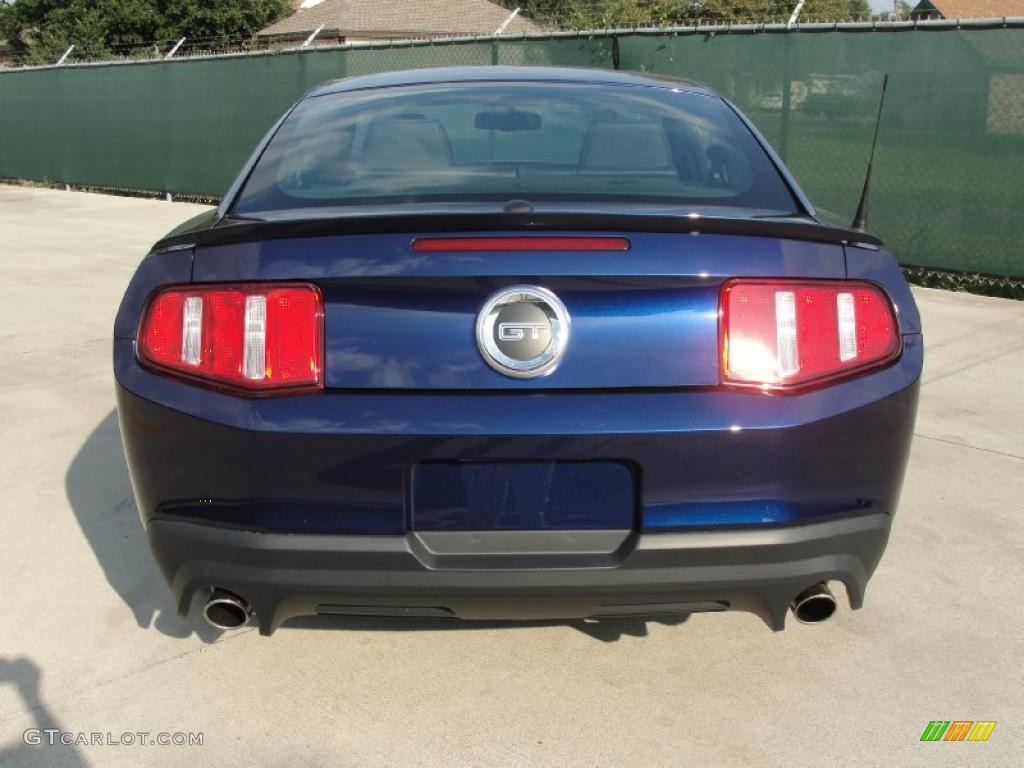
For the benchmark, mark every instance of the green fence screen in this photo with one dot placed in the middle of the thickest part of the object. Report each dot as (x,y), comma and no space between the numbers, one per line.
(948,189)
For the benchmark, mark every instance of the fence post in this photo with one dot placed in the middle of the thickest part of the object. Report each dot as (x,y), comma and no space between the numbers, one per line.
(796,14)
(787,87)
(174,50)
(65,55)
(312,37)
(616,59)
(504,25)
(495,54)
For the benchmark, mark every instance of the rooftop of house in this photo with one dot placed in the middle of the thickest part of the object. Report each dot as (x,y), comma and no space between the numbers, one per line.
(970,9)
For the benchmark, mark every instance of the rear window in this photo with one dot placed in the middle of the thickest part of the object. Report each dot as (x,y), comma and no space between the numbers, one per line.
(501,141)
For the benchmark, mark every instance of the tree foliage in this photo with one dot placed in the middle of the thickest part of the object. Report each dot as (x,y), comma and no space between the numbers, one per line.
(231,18)
(582,14)
(42,29)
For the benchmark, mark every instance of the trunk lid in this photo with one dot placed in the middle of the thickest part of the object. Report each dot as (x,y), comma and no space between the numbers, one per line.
(406,320)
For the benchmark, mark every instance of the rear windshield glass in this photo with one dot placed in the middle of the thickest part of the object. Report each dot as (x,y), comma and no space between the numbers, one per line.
(501,141)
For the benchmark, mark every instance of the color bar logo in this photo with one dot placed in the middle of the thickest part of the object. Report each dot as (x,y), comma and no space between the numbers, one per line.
(958,730)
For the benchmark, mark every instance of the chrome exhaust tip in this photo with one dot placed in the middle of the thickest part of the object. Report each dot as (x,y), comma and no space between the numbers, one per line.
(814,605)
(225,610)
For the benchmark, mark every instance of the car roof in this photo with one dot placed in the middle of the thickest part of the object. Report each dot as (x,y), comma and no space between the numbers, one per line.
(431,76)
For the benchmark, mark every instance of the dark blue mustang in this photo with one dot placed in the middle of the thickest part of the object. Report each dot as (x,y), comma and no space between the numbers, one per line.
(516,343)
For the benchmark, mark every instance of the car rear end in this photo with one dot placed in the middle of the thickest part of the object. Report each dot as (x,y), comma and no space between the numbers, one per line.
(432,367)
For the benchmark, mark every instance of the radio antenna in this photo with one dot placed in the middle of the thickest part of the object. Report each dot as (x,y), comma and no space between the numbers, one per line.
(860,219)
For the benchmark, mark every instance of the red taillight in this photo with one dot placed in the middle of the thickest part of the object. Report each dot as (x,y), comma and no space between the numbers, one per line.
(527,243)
(780,334)
(255,337)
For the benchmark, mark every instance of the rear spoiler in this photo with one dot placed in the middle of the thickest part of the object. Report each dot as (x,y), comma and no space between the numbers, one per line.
(231,230)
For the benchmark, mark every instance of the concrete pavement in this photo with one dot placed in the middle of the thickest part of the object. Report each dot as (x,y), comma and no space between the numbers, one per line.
(89,641)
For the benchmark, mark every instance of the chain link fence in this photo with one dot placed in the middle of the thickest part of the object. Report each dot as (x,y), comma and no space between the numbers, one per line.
(536,16)
(948,187)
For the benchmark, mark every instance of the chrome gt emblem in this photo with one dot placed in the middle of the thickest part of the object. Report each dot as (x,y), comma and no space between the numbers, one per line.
(518,331)
(522,331)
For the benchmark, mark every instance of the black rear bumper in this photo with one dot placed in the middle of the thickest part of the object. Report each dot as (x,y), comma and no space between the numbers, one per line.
(287,575)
